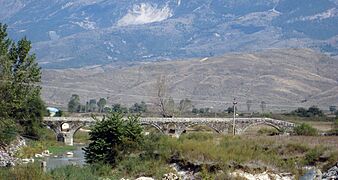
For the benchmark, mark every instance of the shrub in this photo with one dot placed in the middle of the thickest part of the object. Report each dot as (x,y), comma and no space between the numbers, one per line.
(313,155)
(268,131)
(305,130)
(313,111)
(113,137)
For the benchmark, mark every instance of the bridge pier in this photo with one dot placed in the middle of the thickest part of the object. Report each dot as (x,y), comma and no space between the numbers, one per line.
(65,129)
(66,137)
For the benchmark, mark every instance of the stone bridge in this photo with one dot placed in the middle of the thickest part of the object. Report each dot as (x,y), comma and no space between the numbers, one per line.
(66,127)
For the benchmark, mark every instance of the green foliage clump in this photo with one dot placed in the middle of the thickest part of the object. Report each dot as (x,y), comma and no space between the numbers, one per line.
(312,156)
(20,102)
(112,138)
(305,130)
(313,111)
(101,104)
(74,103)
(118,108)
(138,108)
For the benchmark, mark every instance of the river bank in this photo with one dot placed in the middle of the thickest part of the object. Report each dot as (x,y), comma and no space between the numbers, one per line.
(205,155)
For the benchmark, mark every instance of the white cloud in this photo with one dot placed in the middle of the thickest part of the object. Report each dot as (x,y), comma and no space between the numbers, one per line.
(143,14)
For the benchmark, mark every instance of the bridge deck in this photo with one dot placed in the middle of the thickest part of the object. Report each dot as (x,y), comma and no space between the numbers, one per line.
(168,120)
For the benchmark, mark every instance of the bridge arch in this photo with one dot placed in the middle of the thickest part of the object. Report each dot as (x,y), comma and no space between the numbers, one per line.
(153,125)
(277,127)
(210,126)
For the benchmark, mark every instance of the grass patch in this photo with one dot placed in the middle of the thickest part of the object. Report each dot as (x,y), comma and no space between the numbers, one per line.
(81,137)
(283,154)
(60,149)
(23,172)
(37,147)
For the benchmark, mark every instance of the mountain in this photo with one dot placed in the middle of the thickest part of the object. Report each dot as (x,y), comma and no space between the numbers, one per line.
(78,33)
(284,79)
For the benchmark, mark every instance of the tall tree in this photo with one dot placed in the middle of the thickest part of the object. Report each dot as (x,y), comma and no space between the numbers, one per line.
(161,88)
(20,76)
(185,105)
(113,137)
(74,104)
(92,105)
(101,104)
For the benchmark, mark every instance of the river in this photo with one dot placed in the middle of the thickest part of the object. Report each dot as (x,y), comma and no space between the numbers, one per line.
(63,160)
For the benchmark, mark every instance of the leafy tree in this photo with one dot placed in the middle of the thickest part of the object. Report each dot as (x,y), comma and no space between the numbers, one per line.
(312,111)
(315,111)
(83,108)
(113,138)
(118,108)
(138,108)
(101,104)
(74,103)
(302,112)
(194,110)
(92,105)
(20,102)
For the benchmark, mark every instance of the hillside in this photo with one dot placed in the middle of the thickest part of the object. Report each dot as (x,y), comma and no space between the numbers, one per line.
(79,33)
(285,79)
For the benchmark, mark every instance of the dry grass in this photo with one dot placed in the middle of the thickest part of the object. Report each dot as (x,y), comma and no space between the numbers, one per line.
(311,141)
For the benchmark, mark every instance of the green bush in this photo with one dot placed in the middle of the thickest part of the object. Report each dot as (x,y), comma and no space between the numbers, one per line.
(313,111)
(8,131)
(313,155)
(113,138)
(305,130)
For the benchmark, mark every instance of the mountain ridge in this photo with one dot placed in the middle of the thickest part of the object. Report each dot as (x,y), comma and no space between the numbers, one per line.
(285,79)
(80,33)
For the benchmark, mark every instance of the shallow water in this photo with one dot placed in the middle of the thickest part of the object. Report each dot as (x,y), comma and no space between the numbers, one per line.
(64,160)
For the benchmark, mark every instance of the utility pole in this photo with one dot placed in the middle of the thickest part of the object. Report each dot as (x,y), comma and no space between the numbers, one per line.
(234,120)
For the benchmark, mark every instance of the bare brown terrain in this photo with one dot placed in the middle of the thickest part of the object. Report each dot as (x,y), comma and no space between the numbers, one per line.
(284,78)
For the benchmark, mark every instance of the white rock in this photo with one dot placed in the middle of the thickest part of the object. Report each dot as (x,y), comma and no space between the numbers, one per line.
(38,155)
(145,178)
